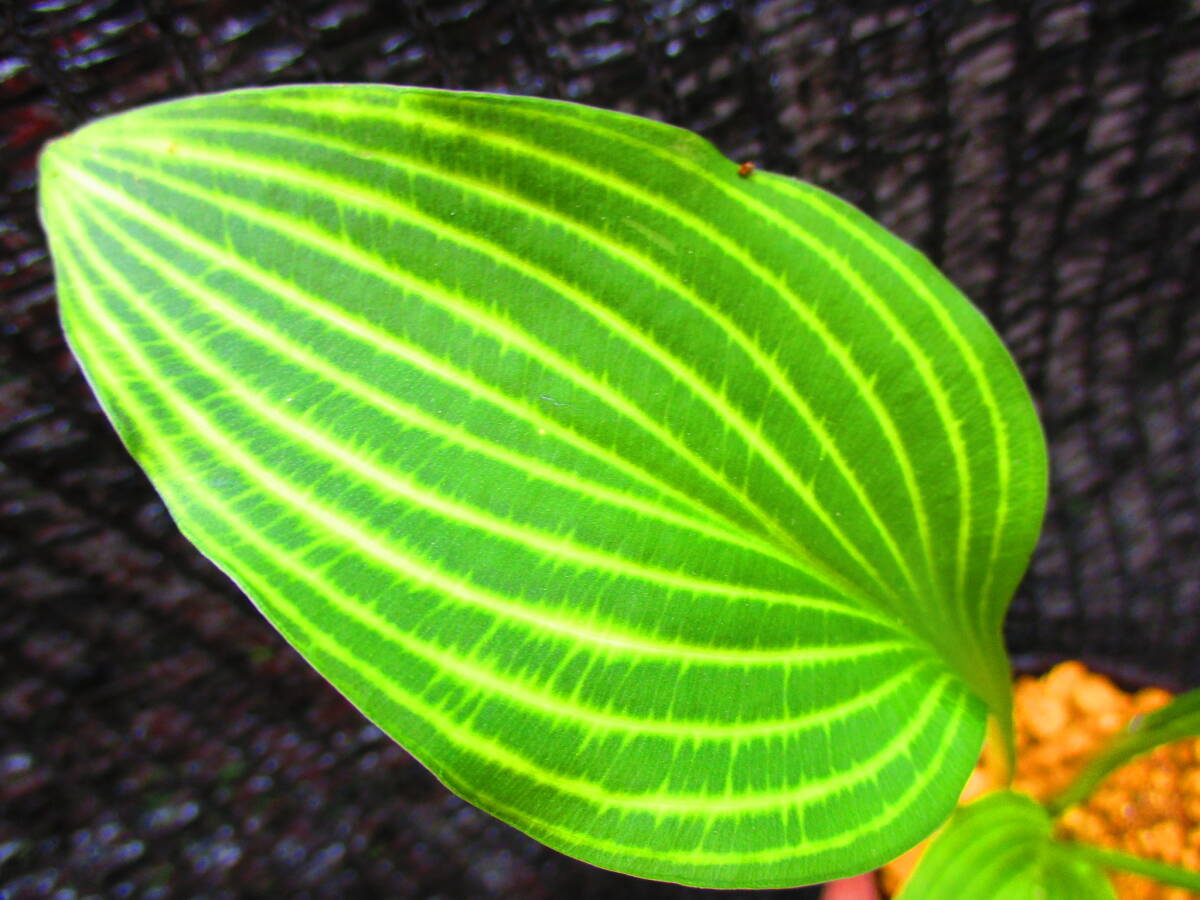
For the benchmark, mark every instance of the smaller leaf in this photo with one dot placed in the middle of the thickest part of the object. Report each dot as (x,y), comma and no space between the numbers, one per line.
(1002,847)
(1177,720)
(1175,876)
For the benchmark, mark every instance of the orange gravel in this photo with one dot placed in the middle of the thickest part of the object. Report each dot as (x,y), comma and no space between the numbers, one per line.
(1150,807)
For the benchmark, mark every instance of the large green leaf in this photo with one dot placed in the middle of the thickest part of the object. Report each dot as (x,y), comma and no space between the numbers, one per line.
(1177,720)
(666,514)
(1002,848)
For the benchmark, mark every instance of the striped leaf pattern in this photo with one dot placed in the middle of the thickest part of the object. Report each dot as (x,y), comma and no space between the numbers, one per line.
(1002,848)
(667,514)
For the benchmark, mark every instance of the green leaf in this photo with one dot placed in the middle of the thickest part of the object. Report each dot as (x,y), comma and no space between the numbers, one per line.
(1177,720)
(666,514)
(1120,861)
(1001,848)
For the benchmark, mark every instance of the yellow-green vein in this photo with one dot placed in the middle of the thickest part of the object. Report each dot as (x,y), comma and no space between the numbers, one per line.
(365,198)
(166,227)
(968,354)
(606,244)
(494,751)
(343,456)
(737,193)
(665,205)
(394,560)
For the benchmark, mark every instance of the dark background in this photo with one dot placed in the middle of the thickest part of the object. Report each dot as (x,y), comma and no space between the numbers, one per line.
(157,739)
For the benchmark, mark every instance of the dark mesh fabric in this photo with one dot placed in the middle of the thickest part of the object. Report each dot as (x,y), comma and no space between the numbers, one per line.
(157,739)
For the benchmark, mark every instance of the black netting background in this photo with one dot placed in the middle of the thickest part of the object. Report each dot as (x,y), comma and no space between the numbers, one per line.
(158,740)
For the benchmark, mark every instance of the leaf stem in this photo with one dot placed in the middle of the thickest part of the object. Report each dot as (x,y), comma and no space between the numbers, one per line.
(1115,859)
(1000,747)
(1078,791)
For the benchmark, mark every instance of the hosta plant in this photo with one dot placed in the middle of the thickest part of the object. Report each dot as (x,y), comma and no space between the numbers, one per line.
(664,509)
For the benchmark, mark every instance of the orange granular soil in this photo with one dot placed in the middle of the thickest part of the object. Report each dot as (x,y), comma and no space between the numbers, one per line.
(1150,807)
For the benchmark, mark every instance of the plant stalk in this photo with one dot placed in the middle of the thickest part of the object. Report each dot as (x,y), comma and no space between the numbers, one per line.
(1115,859)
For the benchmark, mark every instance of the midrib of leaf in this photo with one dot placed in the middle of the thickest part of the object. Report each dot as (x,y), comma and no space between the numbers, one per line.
(796,556)
(705,230)
(994,685)
(990,678)
(517,689)
(976,658)
(994,681)
(473,741)
(721,242)
(344,455)
(409,414)
(441,369)
(467,702)
(321,243)
(713,524)
(622,253)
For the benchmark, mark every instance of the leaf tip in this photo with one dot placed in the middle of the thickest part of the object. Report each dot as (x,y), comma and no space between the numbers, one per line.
(50,154)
